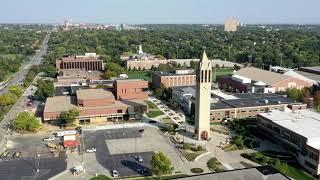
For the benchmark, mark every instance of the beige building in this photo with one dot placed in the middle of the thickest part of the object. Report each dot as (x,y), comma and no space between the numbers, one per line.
(203,96)
(230,25)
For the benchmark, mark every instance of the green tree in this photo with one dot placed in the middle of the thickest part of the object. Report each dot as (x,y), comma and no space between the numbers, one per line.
(112,70)
(16,89)
(70,116)
(26,121)
(8,99)
(45,89)
(161,164)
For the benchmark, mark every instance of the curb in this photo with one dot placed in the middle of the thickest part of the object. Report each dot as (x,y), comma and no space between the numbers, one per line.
(202,155)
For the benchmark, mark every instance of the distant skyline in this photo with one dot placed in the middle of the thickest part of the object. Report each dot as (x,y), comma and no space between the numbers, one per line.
(161,11)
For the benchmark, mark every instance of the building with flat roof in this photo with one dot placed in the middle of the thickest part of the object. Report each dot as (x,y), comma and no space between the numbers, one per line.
(298,132)
(127,89)
(312,69)
(67,77)
(89,62)
(99,105)
(254,173)
(182,78)
(234,105)
(261,81)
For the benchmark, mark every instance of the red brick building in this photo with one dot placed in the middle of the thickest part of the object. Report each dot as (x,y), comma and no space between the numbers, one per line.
(173,79)
(257,80)
(89,62)
(131,89)
(99,105)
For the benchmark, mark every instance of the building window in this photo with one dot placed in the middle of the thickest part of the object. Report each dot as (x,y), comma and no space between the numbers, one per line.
(201,76)
(209,76)
(119,111)
(310,165)
(205,76)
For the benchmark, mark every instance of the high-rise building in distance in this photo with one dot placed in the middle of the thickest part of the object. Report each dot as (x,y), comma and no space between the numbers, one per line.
(231,25)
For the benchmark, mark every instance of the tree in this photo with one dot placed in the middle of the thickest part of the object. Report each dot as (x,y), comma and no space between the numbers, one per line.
(7,99)
(161,164)
(16,89)
(236,67)
(26,121)
(49,70)
(70,116)
(45,89)
(112,70)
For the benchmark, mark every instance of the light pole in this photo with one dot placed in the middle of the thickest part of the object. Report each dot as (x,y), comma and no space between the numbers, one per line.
(37,170)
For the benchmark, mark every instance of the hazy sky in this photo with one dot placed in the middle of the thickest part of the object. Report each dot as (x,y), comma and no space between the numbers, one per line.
(159,11)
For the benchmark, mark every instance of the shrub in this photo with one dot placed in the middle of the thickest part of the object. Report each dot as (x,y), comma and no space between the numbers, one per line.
(200,148)
(197,170)
(186,146)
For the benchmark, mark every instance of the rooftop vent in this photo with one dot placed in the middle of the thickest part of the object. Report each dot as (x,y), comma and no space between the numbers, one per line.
(266,101)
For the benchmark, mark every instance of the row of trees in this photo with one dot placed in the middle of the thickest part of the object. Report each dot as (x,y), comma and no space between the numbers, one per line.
(16,45)
(255,46)
(305,95)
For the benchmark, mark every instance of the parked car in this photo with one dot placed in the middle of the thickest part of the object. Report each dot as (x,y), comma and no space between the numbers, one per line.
(16,155)
(139,158)
(48,139)
(91,150)
(115,173)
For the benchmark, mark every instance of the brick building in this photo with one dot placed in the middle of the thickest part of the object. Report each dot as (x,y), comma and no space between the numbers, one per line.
(99,105)
(131,89)
(237,105)
(261,81)
(89,62)
(179,78)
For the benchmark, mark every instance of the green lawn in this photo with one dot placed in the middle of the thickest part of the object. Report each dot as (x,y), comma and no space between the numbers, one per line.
(191,155)
(215,165)
(151,105)
(288,169)
(153,114)
(222,72)
(139,75)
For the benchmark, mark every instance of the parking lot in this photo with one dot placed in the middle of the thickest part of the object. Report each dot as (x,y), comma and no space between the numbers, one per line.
(30,145)
(34,155)
(126,163)
(118,149)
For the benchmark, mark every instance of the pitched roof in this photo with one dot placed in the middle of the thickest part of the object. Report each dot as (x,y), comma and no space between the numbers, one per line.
(256,74)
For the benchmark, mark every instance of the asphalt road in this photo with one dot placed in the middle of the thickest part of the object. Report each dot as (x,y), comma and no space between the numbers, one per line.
(21,75)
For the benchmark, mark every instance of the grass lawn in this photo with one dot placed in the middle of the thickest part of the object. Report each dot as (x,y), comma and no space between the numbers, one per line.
(191,155)
(151,105)
(222,72)
(215,165)
(153,114)
(292,170)
(139,75)
(229,147)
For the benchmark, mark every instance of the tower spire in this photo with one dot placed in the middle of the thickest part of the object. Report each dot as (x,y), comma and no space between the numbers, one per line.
(204,57)
(140,50)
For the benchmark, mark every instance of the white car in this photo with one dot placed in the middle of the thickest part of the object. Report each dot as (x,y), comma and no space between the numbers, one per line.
(115,173)
(91,150)
(48,139)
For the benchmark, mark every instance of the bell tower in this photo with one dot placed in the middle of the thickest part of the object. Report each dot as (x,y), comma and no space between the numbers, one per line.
(203,97)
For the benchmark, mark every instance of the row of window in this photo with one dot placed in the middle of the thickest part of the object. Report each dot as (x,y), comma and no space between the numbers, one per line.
(310,165)
(313,156)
